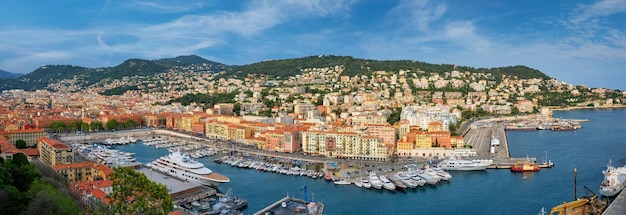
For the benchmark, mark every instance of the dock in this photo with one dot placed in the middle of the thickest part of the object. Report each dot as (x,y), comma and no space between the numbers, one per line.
(290,205)
(618,206)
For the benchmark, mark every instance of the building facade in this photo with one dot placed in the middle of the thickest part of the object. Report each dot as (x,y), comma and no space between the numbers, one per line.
(53,152)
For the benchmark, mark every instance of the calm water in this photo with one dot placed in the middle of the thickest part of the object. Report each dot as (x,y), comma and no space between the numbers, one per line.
(488,192)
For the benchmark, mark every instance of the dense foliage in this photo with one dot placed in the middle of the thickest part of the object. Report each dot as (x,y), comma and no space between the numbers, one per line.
(354,66)
(207,99)
(134,193)
(33,189)
(118,90)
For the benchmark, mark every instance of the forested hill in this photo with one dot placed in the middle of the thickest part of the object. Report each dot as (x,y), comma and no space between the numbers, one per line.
(47,74)
(354,66)
(8,75)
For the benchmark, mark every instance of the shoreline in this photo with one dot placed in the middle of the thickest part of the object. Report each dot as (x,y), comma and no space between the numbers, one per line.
(585,107)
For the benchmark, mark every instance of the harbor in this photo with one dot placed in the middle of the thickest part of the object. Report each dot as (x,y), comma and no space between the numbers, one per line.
(519,144)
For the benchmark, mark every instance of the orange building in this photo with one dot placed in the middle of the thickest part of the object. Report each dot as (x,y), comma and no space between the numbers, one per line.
(383,131)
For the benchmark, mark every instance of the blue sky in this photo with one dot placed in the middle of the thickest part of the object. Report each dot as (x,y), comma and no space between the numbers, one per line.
(579,42)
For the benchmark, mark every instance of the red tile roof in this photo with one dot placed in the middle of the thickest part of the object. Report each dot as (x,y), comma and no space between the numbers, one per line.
(100,195)
(7,147)
(54,143)
(31,152)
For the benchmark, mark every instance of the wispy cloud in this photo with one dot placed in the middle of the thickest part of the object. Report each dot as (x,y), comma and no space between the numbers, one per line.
(163,6)
(417,13)
(599,9)
(188,34)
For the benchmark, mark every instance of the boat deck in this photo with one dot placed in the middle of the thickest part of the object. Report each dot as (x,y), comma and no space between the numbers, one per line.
(217,177)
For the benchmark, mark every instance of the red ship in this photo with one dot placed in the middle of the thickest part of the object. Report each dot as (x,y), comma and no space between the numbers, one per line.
(525,167)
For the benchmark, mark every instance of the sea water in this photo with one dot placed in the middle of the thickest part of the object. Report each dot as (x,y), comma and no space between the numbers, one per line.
(588,150)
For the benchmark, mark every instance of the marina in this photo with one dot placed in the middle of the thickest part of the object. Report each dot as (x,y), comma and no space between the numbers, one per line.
(527,187)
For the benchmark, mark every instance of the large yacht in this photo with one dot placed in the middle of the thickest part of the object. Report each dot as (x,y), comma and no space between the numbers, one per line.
(181,166)
(461,165)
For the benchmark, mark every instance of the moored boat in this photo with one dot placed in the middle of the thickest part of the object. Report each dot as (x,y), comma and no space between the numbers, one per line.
(614,180)
(452,163)
(526,166)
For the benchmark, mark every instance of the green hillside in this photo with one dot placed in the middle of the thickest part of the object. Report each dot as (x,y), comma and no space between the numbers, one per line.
(44,75)
(355,66)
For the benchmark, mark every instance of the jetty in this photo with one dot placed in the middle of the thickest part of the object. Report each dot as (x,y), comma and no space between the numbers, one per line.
(488,138)
(290,205)
(618,206)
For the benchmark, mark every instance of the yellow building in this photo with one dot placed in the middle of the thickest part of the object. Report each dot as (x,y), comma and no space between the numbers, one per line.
(53,152)
(28,135)
(344,145)
(85,171)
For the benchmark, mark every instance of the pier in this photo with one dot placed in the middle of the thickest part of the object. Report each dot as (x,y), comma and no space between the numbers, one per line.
(483,135)
(618,206)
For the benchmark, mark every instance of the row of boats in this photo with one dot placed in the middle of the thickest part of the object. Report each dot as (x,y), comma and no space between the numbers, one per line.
(269,167)
(401,180)
(104,154)
(119,141)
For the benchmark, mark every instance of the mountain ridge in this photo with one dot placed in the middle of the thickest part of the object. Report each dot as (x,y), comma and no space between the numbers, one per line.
(41,77)
(8,75)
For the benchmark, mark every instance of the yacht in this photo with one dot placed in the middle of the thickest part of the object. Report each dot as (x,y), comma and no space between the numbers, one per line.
(406,179)
(429,179)
(387,184)
(461,165)
(181,166)
(365,183)
(375,181)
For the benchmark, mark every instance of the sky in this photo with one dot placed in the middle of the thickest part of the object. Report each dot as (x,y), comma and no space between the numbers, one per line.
(579,42)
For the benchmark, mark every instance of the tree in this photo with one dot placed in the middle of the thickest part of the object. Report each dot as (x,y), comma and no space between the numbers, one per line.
(236,109)
(111,124)
(20,159)
(76,125)
(96,126)
(84,127)
(58,126)
(20,144)
(134,193)
(130,123)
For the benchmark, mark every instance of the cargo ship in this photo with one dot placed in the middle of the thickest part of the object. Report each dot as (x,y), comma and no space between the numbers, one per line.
(614,180)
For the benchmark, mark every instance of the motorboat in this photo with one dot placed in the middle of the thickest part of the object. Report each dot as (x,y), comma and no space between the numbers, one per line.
(375,181)
(387,184)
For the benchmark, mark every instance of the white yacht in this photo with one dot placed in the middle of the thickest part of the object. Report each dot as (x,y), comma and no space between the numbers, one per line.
(365,183)
(406,179)
(387,184)
(429,179)
(461,165)
(181,166)
(375,181)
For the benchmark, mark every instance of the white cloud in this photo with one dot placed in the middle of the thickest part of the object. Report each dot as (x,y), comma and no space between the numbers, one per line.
(418,13)
(599,9)
(165,6)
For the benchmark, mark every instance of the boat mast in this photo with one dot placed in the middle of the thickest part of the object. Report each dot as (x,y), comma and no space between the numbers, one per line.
(574,184)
